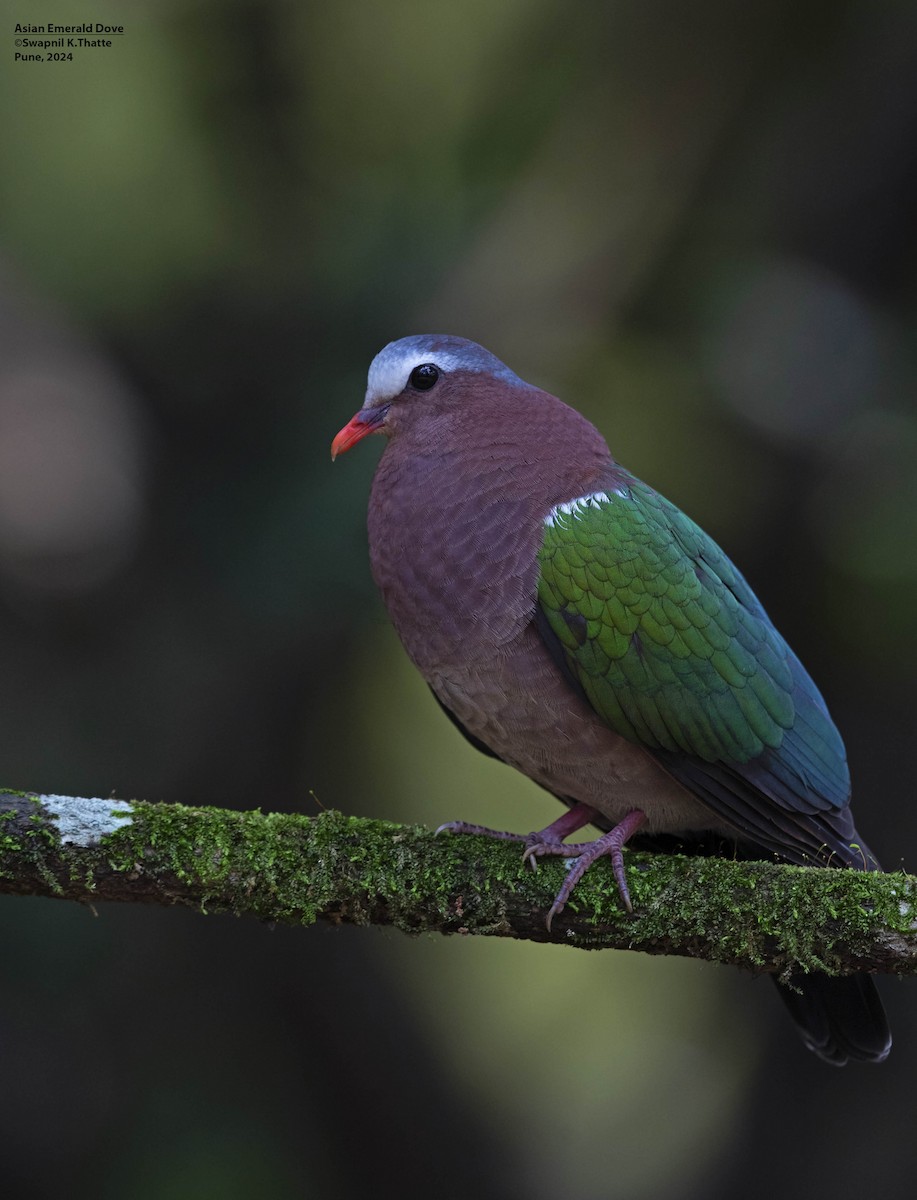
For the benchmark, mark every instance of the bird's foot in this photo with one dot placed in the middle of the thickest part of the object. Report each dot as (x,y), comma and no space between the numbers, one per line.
(544,841)
(482,830)
(550,842)
(611,843)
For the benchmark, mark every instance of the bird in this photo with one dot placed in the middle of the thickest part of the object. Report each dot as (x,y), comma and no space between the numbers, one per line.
(578,626)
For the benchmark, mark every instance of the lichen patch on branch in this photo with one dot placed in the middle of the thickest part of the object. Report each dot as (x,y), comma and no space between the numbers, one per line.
(84,821)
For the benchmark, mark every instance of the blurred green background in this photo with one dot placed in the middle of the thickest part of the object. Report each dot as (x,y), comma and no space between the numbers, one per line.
(693,222)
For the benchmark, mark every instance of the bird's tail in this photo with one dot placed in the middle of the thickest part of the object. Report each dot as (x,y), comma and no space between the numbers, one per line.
(840,1019)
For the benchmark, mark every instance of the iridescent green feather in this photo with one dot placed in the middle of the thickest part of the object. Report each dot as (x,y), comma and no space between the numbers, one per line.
(678,654)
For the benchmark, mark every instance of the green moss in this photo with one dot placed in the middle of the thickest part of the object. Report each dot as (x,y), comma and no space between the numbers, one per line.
(9,841)
(293,869)
(26,837)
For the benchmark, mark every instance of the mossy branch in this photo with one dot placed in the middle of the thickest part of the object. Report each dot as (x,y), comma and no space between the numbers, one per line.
(295,869)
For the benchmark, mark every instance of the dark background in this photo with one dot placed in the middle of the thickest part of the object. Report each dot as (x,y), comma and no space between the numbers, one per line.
(693,222)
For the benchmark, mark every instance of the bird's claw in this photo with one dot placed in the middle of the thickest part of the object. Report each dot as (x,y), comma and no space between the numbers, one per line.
(610,843)
(538,846)
(482,831)
(549,843)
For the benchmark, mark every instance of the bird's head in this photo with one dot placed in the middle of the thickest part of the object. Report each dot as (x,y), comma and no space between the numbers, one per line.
(420,377)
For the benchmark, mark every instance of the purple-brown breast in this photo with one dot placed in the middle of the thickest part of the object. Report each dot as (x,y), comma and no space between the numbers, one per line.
(457,509)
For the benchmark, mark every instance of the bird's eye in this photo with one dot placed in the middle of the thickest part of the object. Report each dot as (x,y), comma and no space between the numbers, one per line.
(424,376)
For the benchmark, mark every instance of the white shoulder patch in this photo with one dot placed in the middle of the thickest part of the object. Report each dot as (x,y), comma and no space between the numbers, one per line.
(575,508)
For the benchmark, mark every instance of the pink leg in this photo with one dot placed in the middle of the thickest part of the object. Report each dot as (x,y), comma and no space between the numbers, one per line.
(574,818)
(549,841)
(609,843)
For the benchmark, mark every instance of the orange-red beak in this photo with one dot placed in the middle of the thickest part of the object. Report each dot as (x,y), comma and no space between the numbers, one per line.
(366,421)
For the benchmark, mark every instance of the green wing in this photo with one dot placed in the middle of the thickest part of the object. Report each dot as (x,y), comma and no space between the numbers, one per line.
(673,650)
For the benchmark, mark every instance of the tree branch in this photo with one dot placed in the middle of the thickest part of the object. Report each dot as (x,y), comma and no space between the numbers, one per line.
(294,869)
